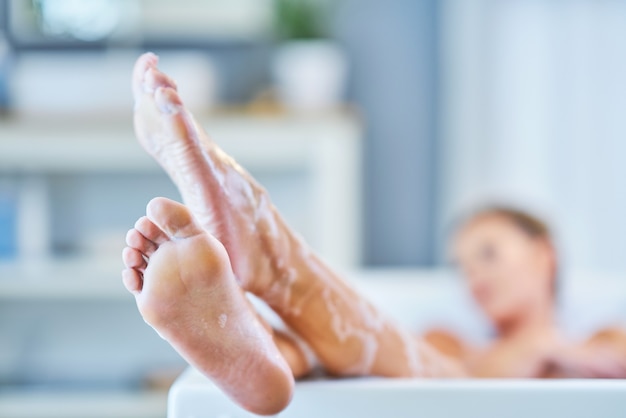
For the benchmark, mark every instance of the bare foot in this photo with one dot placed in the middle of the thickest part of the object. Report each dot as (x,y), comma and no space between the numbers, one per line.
(347,334)
(223,197)
(185,289)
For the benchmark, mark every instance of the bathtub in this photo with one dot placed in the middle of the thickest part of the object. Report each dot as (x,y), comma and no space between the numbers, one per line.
(421,300)
(194,396)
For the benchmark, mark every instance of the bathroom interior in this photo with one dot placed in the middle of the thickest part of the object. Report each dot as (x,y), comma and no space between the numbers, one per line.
(416,112)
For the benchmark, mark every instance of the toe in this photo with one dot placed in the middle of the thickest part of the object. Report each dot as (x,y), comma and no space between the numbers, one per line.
(172,217)
(133,259)
(132,280)
(150,231)
(144,62)
(154,79)
(168,100)
(134,239)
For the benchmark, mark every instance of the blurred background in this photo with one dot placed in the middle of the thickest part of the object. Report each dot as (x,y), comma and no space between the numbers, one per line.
(373,124)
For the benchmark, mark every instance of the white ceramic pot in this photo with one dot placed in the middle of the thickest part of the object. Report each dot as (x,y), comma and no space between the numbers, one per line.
(310,75)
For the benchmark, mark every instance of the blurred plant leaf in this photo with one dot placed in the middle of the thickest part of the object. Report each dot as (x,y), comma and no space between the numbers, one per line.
(300,19)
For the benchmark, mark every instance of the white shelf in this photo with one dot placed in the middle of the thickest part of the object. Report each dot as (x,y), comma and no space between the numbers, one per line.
(22,403)
(276,143)
(325,147)
(71,279)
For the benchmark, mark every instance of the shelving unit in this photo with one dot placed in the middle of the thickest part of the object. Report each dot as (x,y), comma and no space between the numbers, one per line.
(96,144)
(62,280)
(326,147)
(51,299)
(73,404)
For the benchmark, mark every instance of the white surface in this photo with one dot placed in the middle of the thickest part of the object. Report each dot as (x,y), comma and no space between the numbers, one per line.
(194,396)
(69,279)
(98,83)
(81,404)
(37,145)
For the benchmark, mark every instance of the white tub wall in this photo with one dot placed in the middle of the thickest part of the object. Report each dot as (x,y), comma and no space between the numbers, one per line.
(194,395)
(422,299)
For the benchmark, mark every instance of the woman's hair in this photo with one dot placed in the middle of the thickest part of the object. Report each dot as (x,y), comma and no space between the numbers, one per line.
(529,224)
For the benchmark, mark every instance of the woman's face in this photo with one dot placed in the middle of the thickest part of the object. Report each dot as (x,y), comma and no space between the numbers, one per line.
(507,271)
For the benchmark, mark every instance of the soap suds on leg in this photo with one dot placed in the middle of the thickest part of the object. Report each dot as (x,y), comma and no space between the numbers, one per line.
(221,321)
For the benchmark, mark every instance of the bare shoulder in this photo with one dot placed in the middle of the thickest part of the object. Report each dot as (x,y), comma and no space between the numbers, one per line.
(447,343)
(611,336)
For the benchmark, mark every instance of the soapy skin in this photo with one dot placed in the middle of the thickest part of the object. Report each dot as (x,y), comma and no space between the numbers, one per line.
(348,335)
(185,289)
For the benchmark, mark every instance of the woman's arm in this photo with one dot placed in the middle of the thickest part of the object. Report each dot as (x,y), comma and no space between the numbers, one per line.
(613,338)
(447,344)
(602,356)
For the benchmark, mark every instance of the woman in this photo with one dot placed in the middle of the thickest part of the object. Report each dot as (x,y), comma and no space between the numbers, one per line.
(189,267)
(510,264)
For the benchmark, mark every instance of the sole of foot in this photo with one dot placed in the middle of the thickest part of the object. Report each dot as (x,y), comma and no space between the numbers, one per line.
(185,289)
(223,197)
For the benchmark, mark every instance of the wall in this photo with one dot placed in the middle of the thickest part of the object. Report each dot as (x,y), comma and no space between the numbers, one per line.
(392,46)
(533,113)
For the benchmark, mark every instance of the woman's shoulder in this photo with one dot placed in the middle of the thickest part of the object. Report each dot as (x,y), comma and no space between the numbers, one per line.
(614,336)
(447,343)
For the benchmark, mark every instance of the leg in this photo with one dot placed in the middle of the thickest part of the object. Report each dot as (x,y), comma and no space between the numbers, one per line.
(349,336)
(185,289)
(293,354)
(225,200)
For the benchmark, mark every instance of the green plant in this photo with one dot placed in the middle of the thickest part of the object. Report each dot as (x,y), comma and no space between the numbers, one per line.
(300,19)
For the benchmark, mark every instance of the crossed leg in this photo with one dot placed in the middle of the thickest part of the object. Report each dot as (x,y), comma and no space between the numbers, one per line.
(349,336)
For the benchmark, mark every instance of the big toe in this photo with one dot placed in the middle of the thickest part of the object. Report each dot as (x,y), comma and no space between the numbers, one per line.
(142,65)
(147,78)
(172,217)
